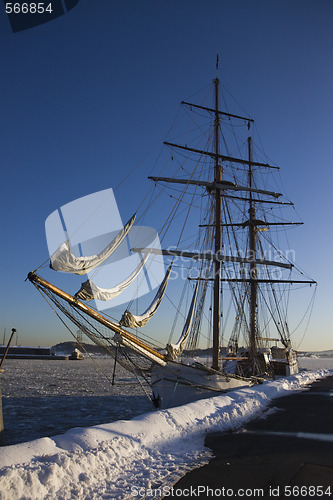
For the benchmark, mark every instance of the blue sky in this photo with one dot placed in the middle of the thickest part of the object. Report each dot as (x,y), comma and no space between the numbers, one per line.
(86,96)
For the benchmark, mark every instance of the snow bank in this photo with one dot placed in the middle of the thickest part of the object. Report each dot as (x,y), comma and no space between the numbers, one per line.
(154,449)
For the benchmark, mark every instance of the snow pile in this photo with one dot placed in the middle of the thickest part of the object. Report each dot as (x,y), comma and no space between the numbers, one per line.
(151,451)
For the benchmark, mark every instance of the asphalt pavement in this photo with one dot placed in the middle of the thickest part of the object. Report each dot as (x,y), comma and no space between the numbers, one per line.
(287,453)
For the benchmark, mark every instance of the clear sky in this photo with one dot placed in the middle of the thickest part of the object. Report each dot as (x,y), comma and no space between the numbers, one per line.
(86,96)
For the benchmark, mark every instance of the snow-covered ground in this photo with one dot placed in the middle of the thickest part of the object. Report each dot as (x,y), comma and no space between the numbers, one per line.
(128,458)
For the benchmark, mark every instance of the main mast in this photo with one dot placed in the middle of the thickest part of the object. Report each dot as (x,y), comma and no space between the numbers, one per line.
(217,263)
(253,266)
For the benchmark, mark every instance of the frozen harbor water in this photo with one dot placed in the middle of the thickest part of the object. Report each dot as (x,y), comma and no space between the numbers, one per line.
(43,398)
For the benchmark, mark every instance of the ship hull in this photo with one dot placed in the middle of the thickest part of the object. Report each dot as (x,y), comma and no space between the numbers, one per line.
(177,384)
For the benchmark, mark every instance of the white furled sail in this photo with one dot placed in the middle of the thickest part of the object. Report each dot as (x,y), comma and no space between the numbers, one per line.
(130,320)
(89,290)
(64,260)
(175,350)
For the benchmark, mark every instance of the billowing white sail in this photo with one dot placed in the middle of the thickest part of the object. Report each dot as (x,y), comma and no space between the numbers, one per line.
(89,290)
(64,260)
(130,320)
(175,350)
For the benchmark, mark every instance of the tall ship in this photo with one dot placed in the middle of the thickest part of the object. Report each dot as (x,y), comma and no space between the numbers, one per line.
(225,294)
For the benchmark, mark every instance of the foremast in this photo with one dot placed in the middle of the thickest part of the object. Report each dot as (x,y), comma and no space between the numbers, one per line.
(217,236)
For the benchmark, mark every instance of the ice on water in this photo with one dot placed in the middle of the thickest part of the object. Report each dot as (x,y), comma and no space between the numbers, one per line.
(44,398)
